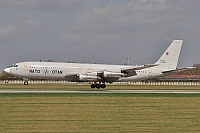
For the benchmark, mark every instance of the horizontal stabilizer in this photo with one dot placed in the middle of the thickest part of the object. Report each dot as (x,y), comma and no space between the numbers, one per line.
(177,70)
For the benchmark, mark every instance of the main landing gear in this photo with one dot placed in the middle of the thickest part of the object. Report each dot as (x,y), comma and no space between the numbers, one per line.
(98,86)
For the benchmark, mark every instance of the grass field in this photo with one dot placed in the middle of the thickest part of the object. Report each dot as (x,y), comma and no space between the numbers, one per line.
(98,112)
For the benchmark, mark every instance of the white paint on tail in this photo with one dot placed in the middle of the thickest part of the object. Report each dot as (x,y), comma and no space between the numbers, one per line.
(169,59)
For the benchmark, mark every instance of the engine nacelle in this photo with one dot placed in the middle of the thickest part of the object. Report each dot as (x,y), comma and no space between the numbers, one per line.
(82,77)
(107,74)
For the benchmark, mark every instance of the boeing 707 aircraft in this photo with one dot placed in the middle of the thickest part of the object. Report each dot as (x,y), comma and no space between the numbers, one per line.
(98,74)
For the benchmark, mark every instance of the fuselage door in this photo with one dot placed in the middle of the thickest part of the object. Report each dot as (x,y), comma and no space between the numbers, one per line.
(149,71)
(25,66)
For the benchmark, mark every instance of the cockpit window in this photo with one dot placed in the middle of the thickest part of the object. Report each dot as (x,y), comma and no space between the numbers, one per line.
(14,65)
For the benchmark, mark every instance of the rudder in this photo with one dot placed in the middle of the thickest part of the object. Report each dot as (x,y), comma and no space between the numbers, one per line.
(170,57)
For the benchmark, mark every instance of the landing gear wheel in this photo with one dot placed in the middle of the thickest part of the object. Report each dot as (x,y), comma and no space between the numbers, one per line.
(92,86)
(98,86)
(25,82)
(103,86)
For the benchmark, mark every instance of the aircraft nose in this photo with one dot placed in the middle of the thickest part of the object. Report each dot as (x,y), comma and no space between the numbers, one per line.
(7,70)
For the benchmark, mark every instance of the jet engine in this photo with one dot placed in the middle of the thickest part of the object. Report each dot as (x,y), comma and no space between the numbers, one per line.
(83,77)
(107,74)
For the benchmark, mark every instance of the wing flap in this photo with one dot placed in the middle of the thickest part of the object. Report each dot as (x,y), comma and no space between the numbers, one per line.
(72,77)
(111,79)
(131,71)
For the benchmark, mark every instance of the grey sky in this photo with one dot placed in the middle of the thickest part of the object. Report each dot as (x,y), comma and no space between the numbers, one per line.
(101,31)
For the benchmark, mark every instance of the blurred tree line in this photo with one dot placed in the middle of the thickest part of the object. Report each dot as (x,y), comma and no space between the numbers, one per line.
(195,71)
(5,76)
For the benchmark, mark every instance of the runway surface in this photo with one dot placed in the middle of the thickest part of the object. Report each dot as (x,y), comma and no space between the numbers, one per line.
(106,91)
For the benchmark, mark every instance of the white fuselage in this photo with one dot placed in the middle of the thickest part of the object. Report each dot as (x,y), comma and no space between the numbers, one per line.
(59,71)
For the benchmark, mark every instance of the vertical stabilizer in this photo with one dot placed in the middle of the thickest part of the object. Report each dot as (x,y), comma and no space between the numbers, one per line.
(169,59)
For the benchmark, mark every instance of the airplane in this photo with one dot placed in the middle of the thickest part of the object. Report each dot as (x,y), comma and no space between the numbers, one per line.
(99,74)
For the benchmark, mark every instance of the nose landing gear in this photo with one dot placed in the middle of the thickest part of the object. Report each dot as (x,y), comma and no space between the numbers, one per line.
(25,81)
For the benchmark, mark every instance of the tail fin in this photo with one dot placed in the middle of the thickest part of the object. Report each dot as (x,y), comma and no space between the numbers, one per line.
(169,59)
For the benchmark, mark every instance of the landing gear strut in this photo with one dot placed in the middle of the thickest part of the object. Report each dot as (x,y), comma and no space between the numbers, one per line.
(98,86)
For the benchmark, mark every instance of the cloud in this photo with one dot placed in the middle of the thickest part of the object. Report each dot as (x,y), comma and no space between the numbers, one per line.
(154,1)
(130,26)
(13,28)
(71,38)
(38,4)
(8,28)
(109,30)
(123,15)
(133,15)
(21,34)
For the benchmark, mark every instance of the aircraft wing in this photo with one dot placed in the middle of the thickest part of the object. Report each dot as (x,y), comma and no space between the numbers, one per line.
(131,71)
(107,76)
(177,70)
(72,77)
